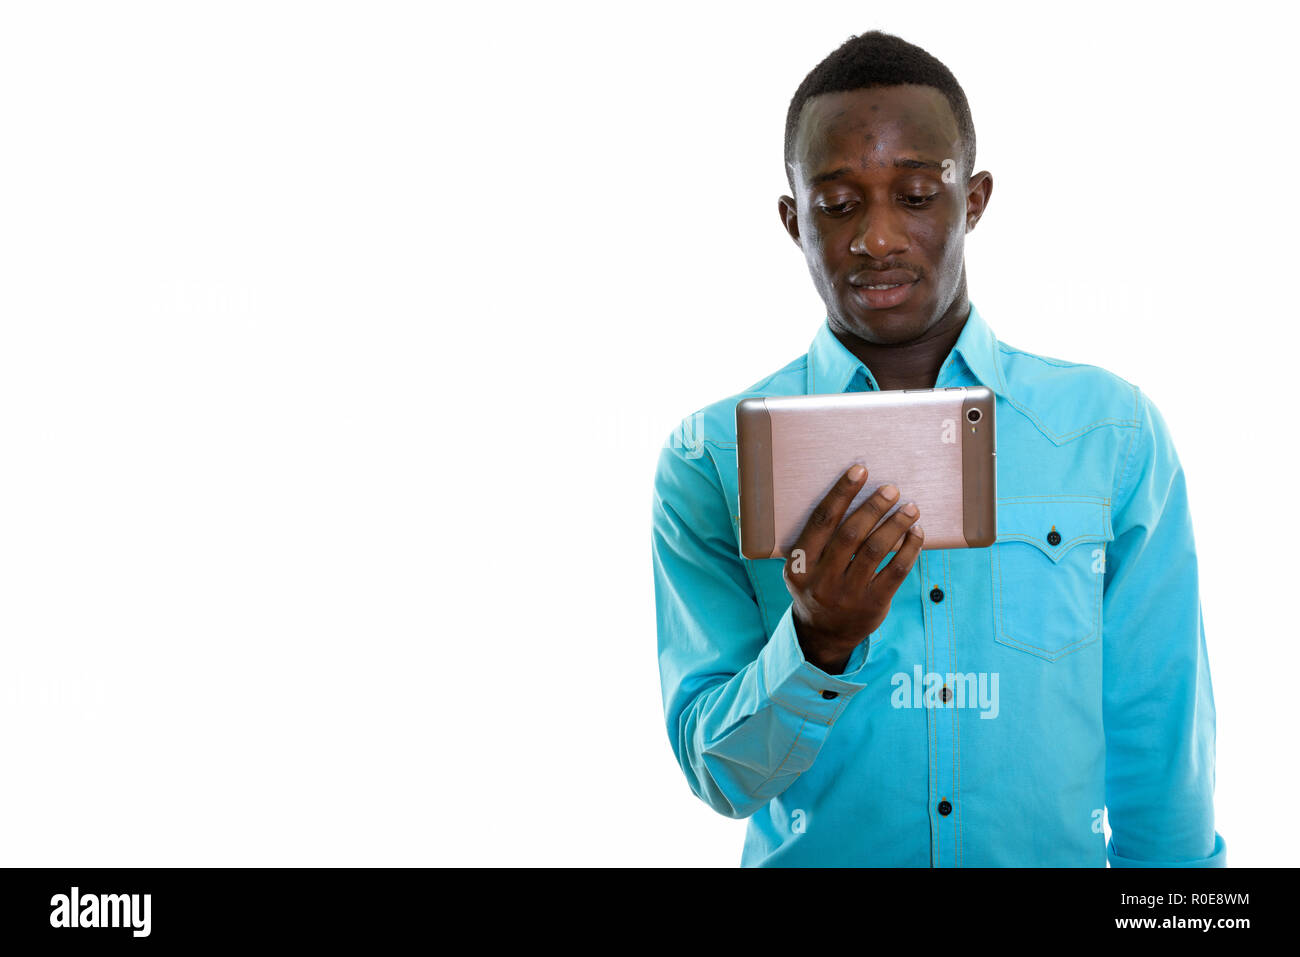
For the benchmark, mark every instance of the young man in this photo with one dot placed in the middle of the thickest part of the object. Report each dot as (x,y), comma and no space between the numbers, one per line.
(956,707)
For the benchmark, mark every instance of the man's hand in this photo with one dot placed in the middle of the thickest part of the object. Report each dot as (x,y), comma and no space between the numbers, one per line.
(839,596)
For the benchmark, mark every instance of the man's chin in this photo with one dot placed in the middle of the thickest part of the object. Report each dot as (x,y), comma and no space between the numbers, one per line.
(884,326)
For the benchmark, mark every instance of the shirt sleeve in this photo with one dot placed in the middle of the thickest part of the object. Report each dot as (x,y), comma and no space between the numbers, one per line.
(746,712)
(1157,700)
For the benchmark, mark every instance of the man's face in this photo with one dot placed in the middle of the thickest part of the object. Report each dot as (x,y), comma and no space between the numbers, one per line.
(883,200)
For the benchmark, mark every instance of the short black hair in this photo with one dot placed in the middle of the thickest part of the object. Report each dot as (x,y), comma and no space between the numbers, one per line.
(879,59)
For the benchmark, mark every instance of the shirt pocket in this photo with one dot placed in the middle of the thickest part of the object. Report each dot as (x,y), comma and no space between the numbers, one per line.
(1048,568)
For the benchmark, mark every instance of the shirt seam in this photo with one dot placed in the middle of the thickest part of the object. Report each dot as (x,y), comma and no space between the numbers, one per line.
(956,722)
(803,724)
(1132,446)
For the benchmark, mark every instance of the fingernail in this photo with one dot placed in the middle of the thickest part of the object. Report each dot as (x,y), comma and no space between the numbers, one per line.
(889,491)
(915,529)
(908,509)
(856,473)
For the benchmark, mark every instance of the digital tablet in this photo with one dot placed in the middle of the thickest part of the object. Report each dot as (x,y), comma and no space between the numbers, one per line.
(938,446)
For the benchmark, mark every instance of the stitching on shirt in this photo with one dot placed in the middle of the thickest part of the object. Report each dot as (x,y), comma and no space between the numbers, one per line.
(1048,653)
(1054,498)
(788,706)
(758,593)
(997,367)
(1061,438)
(956,724)
(1105,503)
(802,725)
(759,600)
(1054,655)
(999,632)
(1048,360)
(997,593)
(1001,637)
(795,709)
(1060,364)
(1057,437)
(932,732)
(1100,536)
(1062,548)
(847,701)
(1128,454)
(1099,613)
(844,703)
(808,715)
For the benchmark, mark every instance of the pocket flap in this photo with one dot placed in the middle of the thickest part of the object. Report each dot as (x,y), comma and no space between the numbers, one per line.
(1065,520)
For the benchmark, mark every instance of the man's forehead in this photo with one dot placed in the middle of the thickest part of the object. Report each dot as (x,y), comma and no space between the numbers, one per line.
(852,125)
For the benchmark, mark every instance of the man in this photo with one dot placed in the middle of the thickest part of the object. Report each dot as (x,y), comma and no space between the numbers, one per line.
(955,707)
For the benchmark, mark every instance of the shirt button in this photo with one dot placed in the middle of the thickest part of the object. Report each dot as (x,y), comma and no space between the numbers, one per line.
(946,693)
(1053,537)
(828,695)
(936,595)
(945,808)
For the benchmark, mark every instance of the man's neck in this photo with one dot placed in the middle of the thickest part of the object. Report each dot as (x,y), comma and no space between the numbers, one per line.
(915,364)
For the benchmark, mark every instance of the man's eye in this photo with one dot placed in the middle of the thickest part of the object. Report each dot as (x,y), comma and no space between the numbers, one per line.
(839,209)
(915,199)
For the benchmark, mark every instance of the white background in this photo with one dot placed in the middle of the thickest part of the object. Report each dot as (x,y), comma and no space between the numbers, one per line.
(339,341)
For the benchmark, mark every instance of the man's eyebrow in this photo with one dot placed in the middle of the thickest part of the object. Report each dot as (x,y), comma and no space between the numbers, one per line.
(898,163)
(833,174)
(917,164)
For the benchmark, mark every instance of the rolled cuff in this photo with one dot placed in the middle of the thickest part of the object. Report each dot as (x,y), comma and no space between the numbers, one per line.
(793,682)
(1219,857)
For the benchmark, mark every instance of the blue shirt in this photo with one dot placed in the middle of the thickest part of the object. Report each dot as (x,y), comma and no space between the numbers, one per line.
(1072,648)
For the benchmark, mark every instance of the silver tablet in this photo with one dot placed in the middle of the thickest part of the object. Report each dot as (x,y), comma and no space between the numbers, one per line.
(938,446)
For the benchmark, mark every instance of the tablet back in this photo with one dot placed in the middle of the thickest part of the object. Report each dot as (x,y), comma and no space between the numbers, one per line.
(938,446)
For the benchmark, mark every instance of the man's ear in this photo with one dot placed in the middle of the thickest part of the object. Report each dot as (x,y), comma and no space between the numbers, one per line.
(978,191)
(789,211)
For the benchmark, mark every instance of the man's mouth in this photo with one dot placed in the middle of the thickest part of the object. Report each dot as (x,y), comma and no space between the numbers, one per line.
(884,295)
(883,278)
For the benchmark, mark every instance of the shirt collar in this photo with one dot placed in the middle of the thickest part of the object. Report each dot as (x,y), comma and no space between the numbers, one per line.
(831,366)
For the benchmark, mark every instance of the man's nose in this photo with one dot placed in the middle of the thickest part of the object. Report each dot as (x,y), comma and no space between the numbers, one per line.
(881,235)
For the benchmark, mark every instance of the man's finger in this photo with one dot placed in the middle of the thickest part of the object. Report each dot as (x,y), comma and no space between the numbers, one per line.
(825,518)
(849,539)
(884,583)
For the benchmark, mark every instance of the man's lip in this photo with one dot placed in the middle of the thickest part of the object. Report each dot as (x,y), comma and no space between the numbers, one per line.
(891,298)
(893,277)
